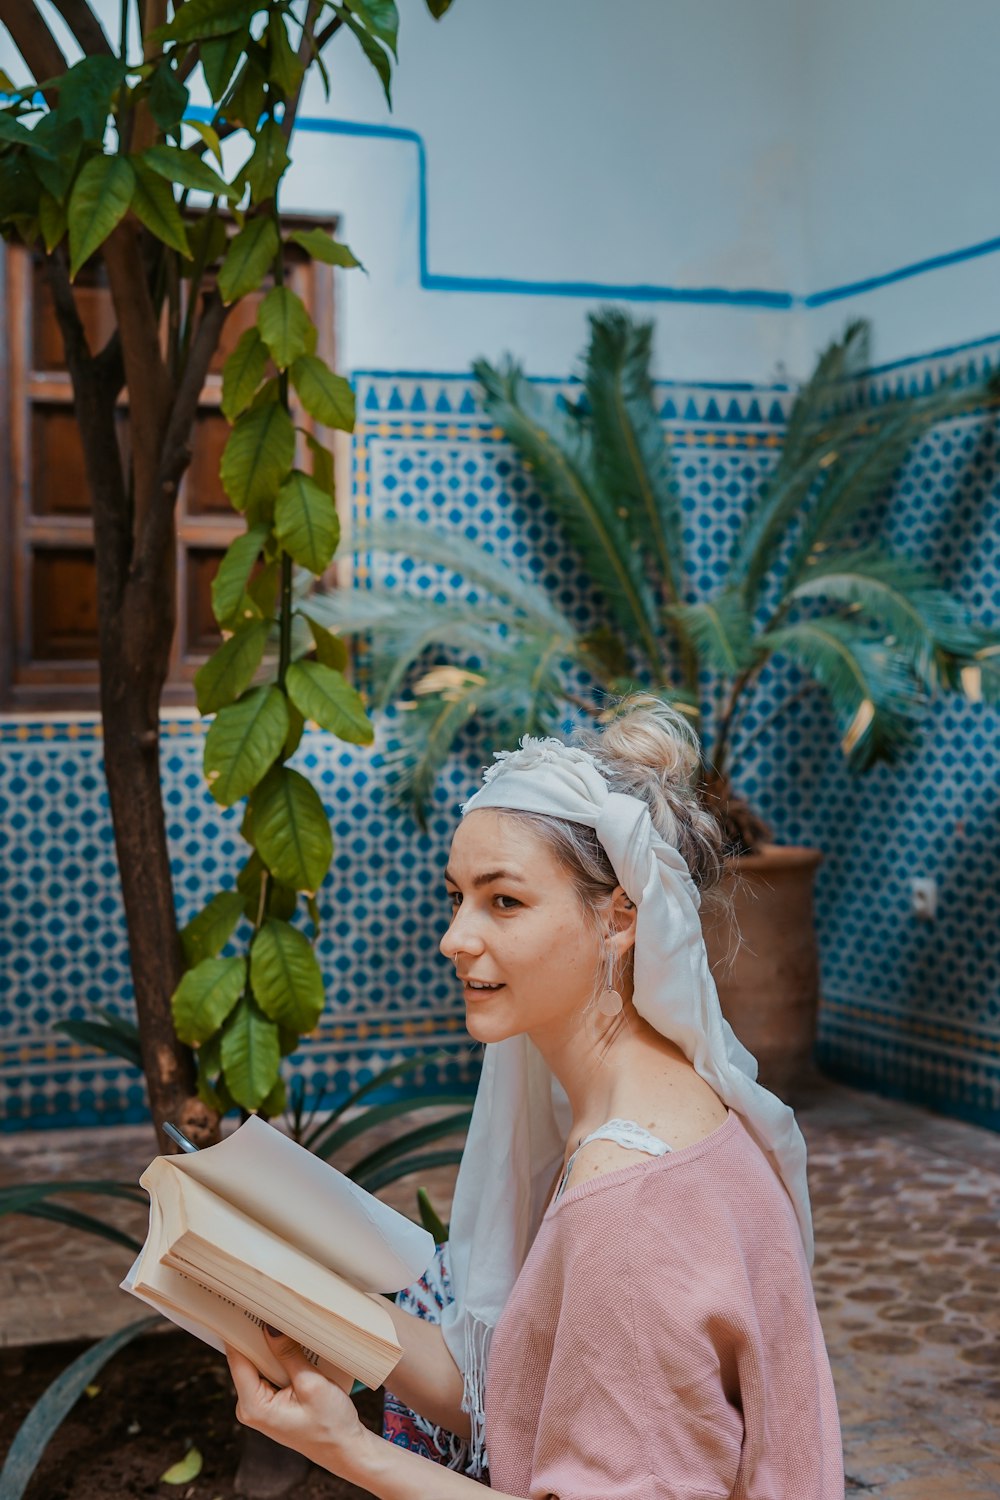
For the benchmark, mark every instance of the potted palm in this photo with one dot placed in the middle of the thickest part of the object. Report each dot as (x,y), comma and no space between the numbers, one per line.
(807,580)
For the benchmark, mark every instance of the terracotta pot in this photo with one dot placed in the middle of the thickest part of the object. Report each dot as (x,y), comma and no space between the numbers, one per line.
(765,962)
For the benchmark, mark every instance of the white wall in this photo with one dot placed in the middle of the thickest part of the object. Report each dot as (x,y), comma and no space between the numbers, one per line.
(784,145)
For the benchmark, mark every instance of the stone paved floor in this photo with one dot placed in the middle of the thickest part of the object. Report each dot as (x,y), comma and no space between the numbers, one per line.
(907,1280)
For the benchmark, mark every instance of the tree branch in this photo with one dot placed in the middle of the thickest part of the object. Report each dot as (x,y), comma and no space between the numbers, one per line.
(85,27)
(306,54)
(145,371)
(175,452)
(33,39)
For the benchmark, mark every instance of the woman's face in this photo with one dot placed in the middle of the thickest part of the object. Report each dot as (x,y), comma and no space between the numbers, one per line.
(518,929)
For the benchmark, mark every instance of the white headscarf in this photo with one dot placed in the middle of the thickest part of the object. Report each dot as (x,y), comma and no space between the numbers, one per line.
(521,1117)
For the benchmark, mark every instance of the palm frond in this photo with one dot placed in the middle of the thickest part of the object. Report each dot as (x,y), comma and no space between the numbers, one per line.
(459,554)
(629,444)
(976,673)
(721,631)
(814,435)
(522,692)
(560,452)
(875,700)
(920,618)
(864,470)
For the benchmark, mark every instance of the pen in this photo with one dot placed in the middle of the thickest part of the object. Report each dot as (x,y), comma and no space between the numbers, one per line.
(178,1137)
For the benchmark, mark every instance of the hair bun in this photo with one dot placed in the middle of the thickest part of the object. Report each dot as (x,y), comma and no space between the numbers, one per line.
(649,750)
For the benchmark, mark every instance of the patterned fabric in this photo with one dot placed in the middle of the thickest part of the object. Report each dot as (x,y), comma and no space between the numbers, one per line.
(426,1299)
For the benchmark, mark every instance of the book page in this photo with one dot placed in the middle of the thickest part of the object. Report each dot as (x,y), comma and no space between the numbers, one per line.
(310,1204)
(216,1320)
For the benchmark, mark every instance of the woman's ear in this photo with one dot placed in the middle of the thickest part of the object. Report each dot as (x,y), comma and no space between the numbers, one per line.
(622,917)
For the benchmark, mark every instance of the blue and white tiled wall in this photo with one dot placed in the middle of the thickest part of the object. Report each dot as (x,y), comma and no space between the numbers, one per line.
(907,1008)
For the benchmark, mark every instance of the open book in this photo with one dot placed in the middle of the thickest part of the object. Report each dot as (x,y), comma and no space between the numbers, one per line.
(259,1230)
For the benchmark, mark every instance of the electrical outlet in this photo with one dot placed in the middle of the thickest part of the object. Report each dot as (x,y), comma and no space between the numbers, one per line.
(923,898)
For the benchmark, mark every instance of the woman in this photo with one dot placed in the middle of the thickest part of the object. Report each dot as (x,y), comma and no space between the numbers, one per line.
(631,1235)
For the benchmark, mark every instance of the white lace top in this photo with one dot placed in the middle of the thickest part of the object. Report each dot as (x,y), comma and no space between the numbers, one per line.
(624,1133)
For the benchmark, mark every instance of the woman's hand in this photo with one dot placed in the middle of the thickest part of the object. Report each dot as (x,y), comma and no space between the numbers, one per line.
(311,1414)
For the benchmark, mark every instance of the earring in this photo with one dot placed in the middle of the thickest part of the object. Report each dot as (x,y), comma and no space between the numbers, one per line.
(610,1003)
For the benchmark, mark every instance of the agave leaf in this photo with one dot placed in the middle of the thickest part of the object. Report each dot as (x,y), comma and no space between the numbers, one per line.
(874,698)
(373,1179)
(561,453)
(378,1081)
(411,1141)
(903,597)
(104,1036)
(721,631)
(335,1136)
(633,457)
(38,1427)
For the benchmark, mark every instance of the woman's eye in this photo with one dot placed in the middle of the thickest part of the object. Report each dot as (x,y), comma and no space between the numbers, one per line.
(454,899)
(507,903)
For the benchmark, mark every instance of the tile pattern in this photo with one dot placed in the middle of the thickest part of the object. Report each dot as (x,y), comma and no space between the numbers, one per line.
(906,1276)
(907,1007)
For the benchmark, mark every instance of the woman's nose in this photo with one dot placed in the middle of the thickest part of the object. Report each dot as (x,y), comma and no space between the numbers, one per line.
(460,937)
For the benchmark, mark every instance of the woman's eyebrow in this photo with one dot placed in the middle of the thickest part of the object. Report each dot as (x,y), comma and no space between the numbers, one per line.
(487,877)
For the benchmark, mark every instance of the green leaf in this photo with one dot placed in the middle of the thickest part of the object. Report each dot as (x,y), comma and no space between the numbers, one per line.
(85,93)
(322,469)
(321,246)
(330,649)
(201,20)
(373,50)
(229,670)
(243,742)
(282,900)
(325,396)
(306,522)
(153,203)
(250,1055)
(268,164)
(205,997)
(285,326)
(13,131)
(325,695)
(380,17)
(248,259)
(430,1218)
(184,1470)
(180,166)
(291,831)
(209,136)
(208,240)
(258,454)
(276,1101)
(99,201)
(230,582)
(283,65)
(285,976)
(296,724)
(168,97)
(209,930)
(219,60)
(247,98)
(36,1431)
(437,8)
(52,220)
(54,152)
(242,373)
(262,590)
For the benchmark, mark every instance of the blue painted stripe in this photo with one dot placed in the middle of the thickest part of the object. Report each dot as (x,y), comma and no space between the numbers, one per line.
(743,297)
(904,273)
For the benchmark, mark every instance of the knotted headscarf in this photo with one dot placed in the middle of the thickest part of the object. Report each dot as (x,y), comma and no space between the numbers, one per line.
(521,1116)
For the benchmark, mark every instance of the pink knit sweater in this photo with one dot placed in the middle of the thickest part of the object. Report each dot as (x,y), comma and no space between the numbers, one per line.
(662,1342)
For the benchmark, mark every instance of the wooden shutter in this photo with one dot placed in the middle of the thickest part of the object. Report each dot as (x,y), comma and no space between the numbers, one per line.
(48,652)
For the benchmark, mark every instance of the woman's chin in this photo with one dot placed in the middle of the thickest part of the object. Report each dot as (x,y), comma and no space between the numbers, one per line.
(485,1023)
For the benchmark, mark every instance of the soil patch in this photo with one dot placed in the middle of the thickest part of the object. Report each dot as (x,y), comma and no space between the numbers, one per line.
(153,1401)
